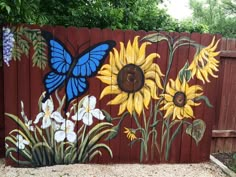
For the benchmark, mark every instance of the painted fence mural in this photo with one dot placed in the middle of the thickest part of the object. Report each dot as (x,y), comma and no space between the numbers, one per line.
(102,96)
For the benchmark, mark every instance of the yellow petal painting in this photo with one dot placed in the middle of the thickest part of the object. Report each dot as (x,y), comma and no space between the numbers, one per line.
(131,76)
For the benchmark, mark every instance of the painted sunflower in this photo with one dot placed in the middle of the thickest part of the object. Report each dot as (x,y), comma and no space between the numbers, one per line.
(132,76)
(130,134)
(204,63)
(179,99)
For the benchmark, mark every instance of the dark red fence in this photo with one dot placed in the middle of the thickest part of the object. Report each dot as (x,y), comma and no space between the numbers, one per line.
(107,96)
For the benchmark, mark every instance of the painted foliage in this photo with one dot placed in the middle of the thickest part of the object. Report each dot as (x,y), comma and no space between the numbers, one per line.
(71,126)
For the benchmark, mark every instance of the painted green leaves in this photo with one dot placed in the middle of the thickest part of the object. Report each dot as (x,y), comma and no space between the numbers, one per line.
(196,130)
(27,40)
(184,73)
(57,140)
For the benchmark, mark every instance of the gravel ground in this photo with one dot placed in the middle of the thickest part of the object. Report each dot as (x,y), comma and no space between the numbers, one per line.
(116,170)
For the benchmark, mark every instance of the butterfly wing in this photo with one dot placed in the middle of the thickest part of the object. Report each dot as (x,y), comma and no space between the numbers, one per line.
(52,81)
(75,87)
(60,58)
(60,62)
(91,60)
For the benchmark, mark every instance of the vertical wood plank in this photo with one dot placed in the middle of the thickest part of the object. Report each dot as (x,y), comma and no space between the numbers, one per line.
(2,120)
(186,140)
(163,51)
(107,34)
(197,110)
(117,142)
(11,100)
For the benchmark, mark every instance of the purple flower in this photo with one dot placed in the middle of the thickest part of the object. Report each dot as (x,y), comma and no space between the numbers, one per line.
(8,44)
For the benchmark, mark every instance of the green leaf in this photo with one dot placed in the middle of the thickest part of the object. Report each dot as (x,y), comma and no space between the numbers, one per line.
(184,73)
(204,98)
(156,37)
(196,130)
(107,116)
(8,8)
(154,124)
(113,133)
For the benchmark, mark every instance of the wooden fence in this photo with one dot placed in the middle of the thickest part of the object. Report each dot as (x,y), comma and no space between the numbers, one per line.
(224,127)
(107,96)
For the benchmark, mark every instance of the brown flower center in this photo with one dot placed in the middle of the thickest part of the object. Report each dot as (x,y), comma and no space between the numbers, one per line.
(130,78)
(179,99)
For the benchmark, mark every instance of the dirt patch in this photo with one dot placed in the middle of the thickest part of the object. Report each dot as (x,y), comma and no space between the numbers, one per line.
(227,159)
(116,170)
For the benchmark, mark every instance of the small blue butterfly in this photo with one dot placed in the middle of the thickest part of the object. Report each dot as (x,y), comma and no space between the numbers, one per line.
(73,71)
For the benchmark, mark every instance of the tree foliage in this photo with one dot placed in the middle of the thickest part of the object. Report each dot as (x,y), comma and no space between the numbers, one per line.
(215,15)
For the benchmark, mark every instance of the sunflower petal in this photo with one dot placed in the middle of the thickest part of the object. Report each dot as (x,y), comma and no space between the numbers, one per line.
(169,111)
(130,103)
(155,76)
(147,97)
(152,87)
(138,102)
(130,53)
(117,59)
(149,60)
(122,107)
(108,79)
(111,89)
(142,53)
(118,99)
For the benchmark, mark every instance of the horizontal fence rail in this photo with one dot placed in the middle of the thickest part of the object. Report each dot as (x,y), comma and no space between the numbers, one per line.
(108,96)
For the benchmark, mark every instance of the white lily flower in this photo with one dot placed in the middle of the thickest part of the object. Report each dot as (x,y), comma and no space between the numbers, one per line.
(47,114)
(88,111)
(21,142)
(28,123)
(67,131)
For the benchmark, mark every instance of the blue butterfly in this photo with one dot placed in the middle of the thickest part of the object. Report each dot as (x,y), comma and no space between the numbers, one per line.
(73,71)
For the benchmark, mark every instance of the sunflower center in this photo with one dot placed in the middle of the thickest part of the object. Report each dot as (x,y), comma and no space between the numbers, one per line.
(202,63)
(130,78)
(179,99)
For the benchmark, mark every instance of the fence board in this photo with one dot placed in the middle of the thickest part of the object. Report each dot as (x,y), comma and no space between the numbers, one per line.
(185,149)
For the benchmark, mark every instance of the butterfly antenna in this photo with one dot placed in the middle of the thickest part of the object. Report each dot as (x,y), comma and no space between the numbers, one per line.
(46,97)
(81,46)
(71,45)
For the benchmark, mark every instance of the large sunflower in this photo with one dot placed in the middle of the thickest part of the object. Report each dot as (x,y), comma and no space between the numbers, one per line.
(132,76)
(204,63)
(179,98)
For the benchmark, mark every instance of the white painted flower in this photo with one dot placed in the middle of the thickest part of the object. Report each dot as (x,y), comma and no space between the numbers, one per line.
(66,131)
(88,111)
(28,123)
(21,142)
(47,114)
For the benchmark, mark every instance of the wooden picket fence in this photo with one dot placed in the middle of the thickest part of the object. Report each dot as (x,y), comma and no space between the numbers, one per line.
(143,132)
(224,124)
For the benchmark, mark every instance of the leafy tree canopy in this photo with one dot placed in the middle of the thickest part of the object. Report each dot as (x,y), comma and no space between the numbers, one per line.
(217,15)
(208,15)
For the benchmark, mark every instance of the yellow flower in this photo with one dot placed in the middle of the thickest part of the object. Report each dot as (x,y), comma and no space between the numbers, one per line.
(132,76)
(204,63)
(130,134)
(179,99)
